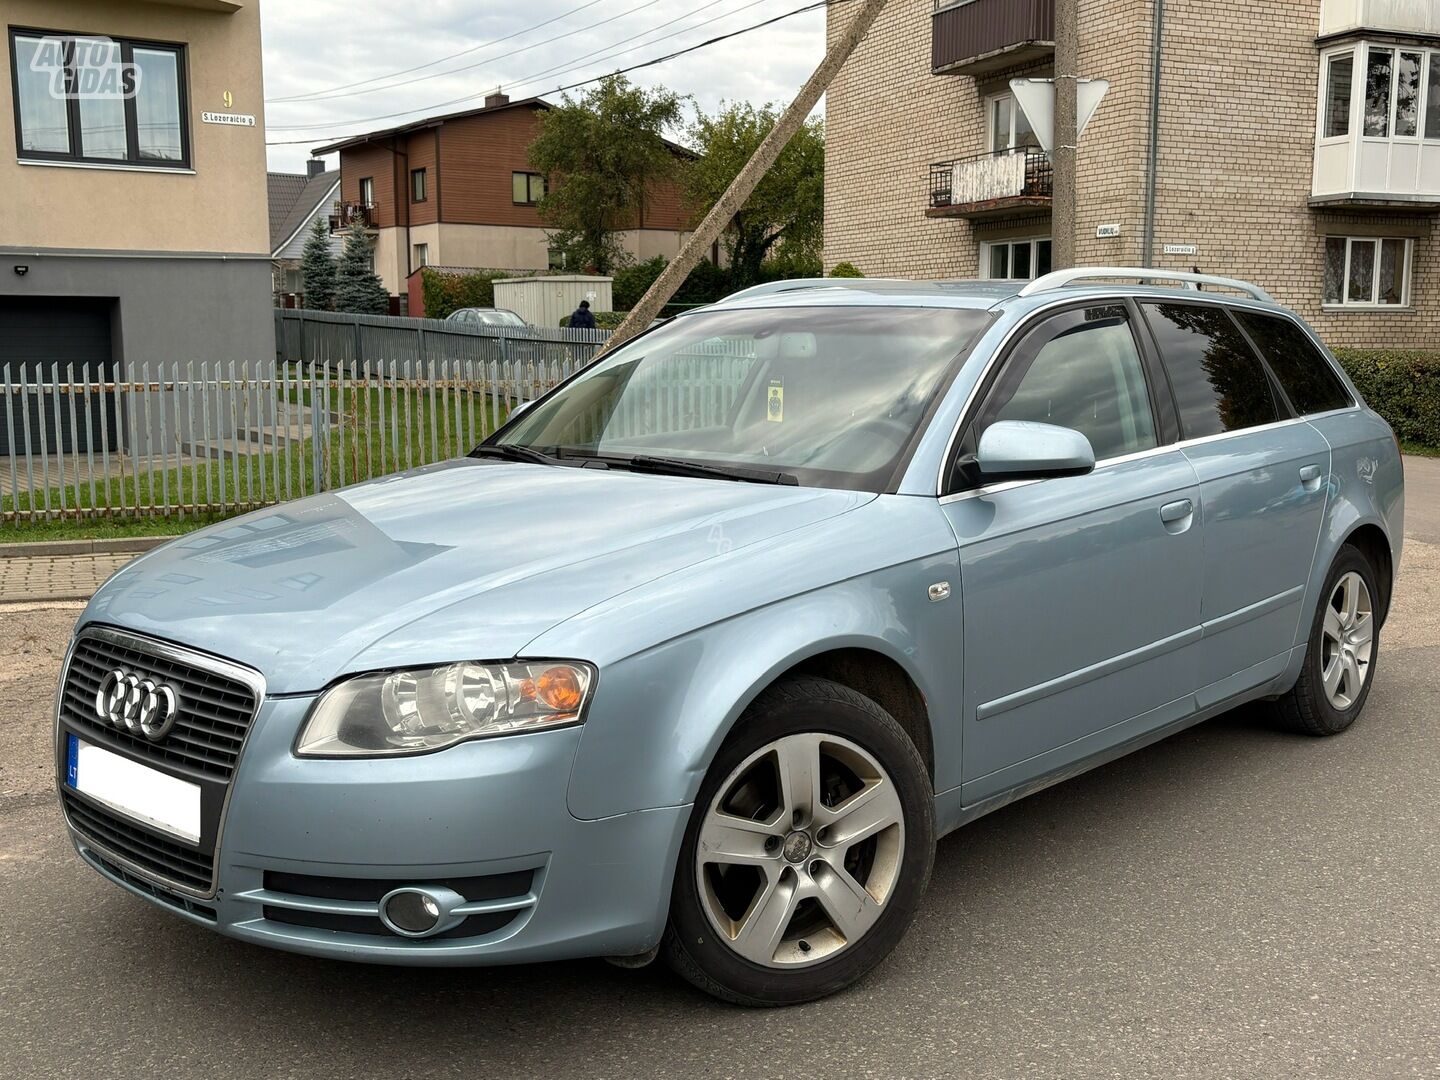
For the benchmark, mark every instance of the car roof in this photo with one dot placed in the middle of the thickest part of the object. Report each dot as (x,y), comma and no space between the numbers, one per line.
(987,295)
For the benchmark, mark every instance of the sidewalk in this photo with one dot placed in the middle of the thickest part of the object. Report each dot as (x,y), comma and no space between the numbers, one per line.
(56,577)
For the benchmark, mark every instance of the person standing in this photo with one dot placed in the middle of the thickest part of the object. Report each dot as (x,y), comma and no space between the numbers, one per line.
(583,318)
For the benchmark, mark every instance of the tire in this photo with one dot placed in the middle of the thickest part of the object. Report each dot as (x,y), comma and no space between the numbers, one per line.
(1313,707)
(821,911)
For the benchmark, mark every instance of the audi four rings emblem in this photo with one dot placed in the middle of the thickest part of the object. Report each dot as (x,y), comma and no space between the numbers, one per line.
(139,706)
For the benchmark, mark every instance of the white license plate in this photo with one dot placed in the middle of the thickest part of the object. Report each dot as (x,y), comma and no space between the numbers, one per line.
(135,791)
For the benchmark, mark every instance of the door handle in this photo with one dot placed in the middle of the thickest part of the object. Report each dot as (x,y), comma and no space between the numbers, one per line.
(1172,513)
(1310,477)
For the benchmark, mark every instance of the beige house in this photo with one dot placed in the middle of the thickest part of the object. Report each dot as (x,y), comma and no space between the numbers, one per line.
(133,223)
(1295,143)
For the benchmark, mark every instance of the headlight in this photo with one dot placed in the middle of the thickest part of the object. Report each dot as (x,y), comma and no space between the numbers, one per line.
(410,712)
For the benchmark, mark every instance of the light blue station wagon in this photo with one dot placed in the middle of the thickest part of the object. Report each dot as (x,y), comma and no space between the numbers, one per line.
(702,651)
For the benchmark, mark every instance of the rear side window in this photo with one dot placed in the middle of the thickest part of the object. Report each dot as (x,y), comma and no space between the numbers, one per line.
(1303,371)
(1081,370)
(1220,384)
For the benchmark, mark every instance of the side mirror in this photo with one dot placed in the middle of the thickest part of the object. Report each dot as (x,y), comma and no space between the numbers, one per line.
(1020,450)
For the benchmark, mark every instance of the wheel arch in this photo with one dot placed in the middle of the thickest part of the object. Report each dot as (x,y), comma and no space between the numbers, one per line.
(1370,540)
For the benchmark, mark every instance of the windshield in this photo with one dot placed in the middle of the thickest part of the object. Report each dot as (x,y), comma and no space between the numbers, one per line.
(832,397)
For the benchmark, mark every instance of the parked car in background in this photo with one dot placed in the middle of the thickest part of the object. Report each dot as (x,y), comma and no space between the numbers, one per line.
(502,318)
(701,652)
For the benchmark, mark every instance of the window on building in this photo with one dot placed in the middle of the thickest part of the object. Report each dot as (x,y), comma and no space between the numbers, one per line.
(1083,372)
(1009,128)
(526,188)
(1220,384)
(1379,70)
(100,100)
(422,255)
(1407,94)
(1309,380)
(367,191)
(1367,271)
(1015,259)
(1339,82)
(1432,97)
(555,259)
(417,185)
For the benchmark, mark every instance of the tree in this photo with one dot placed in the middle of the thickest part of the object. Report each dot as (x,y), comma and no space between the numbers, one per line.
(787,208)
(317,268)
(604,150)
(357,286)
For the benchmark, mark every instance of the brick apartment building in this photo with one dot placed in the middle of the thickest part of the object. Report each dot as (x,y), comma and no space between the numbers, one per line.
(1298,146)
(459,191)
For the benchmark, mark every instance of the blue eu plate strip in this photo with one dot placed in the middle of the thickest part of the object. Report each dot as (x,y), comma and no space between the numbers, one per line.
(72,760)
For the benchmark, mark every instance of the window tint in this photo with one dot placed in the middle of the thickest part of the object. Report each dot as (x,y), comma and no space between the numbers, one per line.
(1302,370)
(1086,375)
(1220,384)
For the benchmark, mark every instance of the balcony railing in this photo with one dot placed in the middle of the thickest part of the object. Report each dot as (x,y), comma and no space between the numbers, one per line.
(347,214)
(973,37)
(991,184)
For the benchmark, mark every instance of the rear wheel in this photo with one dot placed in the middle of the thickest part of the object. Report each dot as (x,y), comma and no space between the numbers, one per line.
(1340,659)
(808,850)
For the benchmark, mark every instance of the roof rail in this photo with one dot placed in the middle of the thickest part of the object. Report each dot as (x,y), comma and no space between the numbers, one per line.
(1060,278)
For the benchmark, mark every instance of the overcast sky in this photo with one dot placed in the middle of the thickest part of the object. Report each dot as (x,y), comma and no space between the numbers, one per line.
(319,46)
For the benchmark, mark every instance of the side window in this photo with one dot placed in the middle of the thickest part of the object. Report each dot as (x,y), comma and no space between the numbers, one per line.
(1219,383)
(1081,370)
(1302,369)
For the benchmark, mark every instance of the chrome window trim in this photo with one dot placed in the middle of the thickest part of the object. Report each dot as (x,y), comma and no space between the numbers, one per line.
(161,650)
(1186,296)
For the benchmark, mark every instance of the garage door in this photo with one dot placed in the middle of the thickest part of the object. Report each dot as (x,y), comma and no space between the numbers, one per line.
(35,335)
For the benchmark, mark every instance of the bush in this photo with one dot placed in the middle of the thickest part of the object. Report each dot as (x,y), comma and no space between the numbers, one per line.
(1402,385)
(846,269)
(446,292)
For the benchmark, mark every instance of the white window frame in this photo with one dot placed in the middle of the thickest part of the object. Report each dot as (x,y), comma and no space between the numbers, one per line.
(1373,304)
(422,255)
(986,246)
(1010,145)
(1359,74)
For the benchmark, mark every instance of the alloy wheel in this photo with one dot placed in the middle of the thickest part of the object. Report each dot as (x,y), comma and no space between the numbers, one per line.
(800,850)
(1347,641)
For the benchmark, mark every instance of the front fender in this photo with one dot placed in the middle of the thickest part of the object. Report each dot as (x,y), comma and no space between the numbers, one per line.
(660,715)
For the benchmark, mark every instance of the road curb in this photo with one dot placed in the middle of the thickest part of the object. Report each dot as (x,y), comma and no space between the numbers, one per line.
(52,548)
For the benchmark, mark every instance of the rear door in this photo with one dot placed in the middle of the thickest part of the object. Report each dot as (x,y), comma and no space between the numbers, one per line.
(1262,492)
(1080,596)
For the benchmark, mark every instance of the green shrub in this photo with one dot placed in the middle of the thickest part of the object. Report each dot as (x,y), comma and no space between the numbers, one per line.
(846,269)
(1402,385)
(604,320)
(446,292)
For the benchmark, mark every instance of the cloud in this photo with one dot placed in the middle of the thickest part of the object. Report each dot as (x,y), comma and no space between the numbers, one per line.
(317,46)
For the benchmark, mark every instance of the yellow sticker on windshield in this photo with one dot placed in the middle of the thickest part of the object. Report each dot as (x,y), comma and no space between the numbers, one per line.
(775,409)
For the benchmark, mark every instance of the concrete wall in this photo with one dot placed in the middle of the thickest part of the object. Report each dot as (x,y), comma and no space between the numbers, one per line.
(219,207)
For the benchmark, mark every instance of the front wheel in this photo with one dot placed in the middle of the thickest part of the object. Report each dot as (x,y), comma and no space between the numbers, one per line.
(1343,648)
(808,850)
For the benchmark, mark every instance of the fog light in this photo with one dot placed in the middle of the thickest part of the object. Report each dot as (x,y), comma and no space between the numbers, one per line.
(418,913)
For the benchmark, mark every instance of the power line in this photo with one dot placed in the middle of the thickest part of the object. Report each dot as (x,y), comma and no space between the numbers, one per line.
(320,94)
(479,63)
(817,4)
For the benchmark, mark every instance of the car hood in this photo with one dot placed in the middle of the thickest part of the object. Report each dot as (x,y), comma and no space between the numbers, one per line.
(469,559)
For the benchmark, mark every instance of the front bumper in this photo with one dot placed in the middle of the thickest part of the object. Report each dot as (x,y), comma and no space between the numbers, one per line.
(307,847)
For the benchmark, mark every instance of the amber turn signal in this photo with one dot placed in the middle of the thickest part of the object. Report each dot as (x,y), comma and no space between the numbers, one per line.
(559,688)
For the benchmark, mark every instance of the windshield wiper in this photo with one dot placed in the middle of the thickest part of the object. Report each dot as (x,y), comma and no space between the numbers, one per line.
(677,467)
(512,452)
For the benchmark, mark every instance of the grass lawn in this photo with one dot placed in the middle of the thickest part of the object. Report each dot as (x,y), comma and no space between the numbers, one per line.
(426,432)
(1419,449)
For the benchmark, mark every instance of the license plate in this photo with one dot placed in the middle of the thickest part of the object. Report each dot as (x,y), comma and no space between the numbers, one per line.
(135,791)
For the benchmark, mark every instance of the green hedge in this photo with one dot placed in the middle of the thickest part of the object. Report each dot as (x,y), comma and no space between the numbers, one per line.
(604,320)
(1402,385)
(445,293)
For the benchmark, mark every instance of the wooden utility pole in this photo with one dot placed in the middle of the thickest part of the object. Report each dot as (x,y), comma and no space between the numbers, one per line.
(1067,73)
(710,230)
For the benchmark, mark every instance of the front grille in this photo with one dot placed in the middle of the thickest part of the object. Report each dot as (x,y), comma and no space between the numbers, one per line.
(147,850)
(214,713)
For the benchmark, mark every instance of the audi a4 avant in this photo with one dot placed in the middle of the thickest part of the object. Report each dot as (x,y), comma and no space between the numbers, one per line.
(700,653)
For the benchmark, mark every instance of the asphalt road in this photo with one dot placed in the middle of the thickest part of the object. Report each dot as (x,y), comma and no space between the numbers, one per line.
(1230,903)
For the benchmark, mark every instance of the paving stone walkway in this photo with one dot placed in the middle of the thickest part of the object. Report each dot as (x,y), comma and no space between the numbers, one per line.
(56,577)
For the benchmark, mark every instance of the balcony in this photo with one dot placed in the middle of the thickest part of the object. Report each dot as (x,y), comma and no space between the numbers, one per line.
(1341,17)
(347,214)
(974,37)
(992,185)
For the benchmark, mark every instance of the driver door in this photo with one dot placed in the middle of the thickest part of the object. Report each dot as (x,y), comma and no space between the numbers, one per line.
(1080,595)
